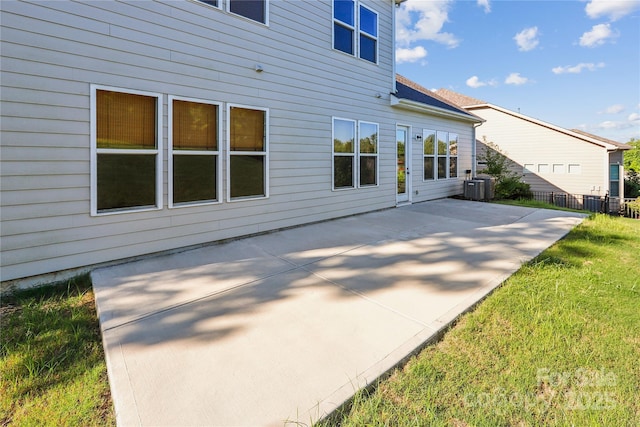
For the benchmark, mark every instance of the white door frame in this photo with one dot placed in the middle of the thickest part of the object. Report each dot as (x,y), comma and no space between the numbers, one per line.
(406,197)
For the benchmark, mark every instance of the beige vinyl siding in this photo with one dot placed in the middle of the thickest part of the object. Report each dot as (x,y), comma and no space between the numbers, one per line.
(52,53)
(526,142)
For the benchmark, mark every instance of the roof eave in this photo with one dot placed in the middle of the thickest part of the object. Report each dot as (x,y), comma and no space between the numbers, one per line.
(437,111)
(603,144)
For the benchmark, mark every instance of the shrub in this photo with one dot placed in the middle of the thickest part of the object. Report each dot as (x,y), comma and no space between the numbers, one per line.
(508,182)
(512,188)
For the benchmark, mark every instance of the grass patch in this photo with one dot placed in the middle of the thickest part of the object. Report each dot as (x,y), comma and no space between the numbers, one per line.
(557,344)
(52,368)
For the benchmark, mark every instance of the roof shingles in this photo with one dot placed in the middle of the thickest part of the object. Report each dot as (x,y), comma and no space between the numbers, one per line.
(407,89)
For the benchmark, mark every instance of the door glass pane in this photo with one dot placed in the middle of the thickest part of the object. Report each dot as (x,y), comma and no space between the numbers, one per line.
(247,176)
(126,181)
(401,137)
(194,178)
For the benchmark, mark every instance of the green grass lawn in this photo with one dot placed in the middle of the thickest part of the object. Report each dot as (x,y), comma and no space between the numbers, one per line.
(52,369)
(557,344)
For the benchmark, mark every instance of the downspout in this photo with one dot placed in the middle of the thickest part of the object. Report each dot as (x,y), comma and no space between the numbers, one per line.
(394,4)
(474,161)
(393,45)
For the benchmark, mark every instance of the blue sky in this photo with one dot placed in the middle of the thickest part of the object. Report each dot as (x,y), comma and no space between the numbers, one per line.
(575,64)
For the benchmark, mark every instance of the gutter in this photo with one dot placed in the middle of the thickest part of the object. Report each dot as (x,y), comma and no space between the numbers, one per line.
(407,104)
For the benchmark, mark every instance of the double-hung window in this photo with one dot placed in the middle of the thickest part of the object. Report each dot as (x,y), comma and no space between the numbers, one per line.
(355,165)
(443,139)
(194,156)
(213,3)
(429,143)
(126,150)
(256,10)
(344,136)
(368,153)
(614,180)
(368,46)
(344,26)
(247,157)
(355,32)
(453,155)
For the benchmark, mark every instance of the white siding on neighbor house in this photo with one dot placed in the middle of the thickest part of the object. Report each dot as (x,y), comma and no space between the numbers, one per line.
(52,52)
(528,143)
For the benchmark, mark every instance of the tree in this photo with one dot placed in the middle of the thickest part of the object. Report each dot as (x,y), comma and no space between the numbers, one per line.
(508,182)
(632,157)
(632,169)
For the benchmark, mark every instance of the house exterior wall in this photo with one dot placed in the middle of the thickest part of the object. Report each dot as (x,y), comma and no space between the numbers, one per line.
(548,160)
(421,189)
(52,54)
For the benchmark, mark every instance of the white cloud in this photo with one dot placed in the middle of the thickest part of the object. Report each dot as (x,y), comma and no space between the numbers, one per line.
(598,35)
(614,109)
(485,4)
(516,79)
(475,82)
(418,20)
(576,69)
(633,121)
(410,54)
(527,39)
(614,9)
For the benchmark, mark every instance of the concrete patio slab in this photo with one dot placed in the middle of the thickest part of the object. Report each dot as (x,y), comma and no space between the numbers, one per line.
(284,327)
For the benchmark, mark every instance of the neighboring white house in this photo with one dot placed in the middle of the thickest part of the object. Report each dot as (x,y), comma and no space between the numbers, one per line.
(550,158)
(130,128)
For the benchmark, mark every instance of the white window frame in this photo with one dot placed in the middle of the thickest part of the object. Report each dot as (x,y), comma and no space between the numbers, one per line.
(439,156)
(376,155)
(353,28)
(528,168)
(557,168)
(219,6)
(361,32)
(266,13)
(94,151)
(356,147)
(434,156)
(230,153)
(172,152)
